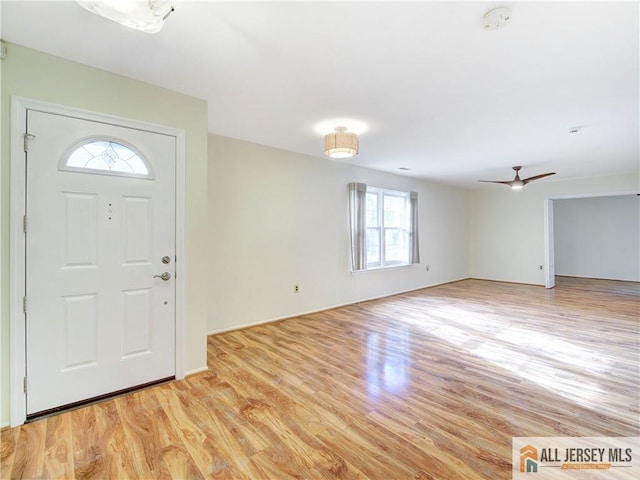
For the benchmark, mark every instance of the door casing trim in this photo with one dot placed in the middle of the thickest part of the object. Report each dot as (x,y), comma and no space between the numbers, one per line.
(549,240)
(17,253)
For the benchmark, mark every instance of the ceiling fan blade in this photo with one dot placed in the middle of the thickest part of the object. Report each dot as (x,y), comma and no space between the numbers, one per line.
(505,182)
(531,179)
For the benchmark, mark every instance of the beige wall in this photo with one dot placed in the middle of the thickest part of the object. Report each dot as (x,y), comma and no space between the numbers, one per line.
(35,75)
(278,218)
(507,227)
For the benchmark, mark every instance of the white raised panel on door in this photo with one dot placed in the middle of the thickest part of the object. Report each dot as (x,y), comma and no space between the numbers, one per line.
(79,231)
(137,221)
(136,331)
(80,331)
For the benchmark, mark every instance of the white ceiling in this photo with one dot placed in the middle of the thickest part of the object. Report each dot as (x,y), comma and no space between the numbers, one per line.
(434,90)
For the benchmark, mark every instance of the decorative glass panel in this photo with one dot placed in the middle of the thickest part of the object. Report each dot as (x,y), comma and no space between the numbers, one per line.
(107,157)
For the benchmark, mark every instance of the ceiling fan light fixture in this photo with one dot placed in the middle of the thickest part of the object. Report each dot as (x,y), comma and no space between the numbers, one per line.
(144,15)
(517,183)
(341,144)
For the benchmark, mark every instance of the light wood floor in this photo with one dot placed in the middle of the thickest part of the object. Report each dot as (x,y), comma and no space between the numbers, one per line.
(427,385)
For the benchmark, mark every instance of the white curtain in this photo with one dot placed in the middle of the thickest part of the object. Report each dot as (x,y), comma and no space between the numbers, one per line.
(414,251)
(358,225)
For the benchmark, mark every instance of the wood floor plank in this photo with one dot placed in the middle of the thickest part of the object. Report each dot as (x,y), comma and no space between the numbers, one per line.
(8,440)
(427,385)
(149,432)
(28,461)
(58,460)
(90,455)
(189,433)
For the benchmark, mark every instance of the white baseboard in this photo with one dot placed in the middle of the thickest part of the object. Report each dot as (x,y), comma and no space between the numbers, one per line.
(309,312)
(197,370)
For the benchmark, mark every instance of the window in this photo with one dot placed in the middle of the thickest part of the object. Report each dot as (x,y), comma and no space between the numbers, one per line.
(384,227)
(107,157)
(387,228)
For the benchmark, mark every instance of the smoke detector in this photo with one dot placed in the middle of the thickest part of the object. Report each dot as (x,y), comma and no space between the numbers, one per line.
(496,18)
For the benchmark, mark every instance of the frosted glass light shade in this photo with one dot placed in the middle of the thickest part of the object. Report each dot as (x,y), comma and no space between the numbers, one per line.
(341,144)
(145,15)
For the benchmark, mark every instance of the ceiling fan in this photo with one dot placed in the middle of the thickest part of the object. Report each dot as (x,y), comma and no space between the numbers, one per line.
(517,183)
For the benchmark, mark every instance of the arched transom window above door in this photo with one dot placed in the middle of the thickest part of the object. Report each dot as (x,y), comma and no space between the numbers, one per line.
(106,157)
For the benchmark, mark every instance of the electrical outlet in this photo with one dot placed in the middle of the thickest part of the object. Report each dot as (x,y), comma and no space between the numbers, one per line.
(296,288)
(541,267)
(428,267)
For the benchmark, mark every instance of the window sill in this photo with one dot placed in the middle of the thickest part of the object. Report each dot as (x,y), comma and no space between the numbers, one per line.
(382,269)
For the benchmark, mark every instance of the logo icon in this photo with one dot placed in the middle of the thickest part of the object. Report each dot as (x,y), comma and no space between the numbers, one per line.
(528,459)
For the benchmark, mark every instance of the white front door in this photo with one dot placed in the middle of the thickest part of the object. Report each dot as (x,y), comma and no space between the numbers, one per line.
(100,231)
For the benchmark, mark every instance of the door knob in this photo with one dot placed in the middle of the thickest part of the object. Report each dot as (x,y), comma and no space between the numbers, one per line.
(165,276)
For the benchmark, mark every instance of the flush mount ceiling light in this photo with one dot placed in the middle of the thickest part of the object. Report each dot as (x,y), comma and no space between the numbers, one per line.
(496,18)
(145,15)
(340,144)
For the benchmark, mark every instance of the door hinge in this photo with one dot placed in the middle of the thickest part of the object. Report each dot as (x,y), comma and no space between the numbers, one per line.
(24,304)
(27,137)
(24,224)
(24,384)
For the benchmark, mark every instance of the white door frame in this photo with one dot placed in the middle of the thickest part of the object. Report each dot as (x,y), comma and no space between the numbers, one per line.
(17,275)
(549,250)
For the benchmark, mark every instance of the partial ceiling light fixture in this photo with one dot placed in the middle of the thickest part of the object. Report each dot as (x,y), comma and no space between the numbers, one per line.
(340,143)
(496,18)
(145,15)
